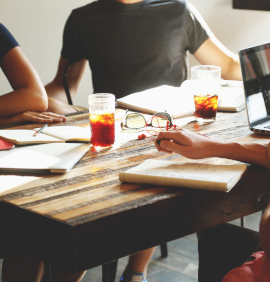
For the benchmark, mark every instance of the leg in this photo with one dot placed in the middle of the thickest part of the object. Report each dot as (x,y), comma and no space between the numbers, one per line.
(59,275)
(21,268)
(138,262)
(223,248)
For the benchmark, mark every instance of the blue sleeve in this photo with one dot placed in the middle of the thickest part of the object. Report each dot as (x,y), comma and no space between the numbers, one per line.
(7,42)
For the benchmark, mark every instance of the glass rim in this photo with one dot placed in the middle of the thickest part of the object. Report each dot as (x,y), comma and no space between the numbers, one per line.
(205,67)
(101,97)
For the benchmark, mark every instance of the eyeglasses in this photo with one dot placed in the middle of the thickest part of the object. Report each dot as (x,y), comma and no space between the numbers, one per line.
(136,120)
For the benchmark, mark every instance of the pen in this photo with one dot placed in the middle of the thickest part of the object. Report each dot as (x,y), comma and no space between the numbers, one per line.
(40,130)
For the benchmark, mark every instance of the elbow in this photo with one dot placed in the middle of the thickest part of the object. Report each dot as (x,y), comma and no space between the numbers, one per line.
(40,100)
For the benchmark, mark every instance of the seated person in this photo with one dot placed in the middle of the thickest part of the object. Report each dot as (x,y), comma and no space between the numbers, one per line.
(131,46)
(28,101)
(226,246)
(134,45)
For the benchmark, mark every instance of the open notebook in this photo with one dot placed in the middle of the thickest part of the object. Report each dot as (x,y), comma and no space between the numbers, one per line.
(52,134)
(42,158)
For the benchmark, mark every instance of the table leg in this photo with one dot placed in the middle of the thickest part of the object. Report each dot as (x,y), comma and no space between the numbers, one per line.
(109,271)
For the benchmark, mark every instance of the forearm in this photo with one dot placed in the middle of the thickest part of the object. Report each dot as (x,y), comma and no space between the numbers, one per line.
(250,152)
(233,70)
(23,99)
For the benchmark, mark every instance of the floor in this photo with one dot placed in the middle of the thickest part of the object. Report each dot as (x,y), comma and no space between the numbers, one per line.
(181,265)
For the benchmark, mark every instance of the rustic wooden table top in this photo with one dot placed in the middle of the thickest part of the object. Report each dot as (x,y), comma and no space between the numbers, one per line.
(86,217)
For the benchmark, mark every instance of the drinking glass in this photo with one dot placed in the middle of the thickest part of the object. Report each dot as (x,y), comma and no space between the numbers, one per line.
(102,119)
(205,86)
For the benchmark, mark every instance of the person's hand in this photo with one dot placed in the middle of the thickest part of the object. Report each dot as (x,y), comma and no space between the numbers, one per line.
(186,143)
(38,117)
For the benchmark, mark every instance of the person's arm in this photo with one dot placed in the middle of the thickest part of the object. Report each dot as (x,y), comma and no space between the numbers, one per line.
(57,97)
(195,146)
(212,52)
(28,92)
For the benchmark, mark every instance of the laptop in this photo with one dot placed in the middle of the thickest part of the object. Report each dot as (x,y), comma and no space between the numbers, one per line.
(255,66)
(42,158)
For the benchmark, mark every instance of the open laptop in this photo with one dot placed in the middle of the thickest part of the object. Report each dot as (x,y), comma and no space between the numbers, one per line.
(255,65)
(42,158)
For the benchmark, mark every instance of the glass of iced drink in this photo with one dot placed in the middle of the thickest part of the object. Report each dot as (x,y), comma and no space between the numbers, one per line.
(205,86)
(101,117)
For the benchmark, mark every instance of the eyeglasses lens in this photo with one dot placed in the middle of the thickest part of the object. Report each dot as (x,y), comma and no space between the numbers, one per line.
(135,120)
(159,121)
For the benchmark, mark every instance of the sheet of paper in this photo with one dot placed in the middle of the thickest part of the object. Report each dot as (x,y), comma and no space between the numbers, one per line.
(14,183)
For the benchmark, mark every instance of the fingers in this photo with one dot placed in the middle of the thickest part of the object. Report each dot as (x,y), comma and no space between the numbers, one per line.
(173,136)
(170,146)
(42,117)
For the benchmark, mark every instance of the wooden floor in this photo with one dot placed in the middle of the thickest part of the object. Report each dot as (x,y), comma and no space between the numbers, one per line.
(181,265)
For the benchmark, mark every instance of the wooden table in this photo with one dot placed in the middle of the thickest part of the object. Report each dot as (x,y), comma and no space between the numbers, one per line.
(86,217)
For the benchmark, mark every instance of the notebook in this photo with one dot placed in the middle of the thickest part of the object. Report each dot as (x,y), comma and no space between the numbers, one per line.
(255,66)
(179,101)
(51,134)
(42,158)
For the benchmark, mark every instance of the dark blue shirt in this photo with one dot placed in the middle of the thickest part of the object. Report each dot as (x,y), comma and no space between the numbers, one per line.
(7,42)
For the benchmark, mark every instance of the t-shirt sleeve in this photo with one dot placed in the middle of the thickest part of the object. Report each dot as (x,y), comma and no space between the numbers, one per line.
(72,47)
(196,28)
(7,42)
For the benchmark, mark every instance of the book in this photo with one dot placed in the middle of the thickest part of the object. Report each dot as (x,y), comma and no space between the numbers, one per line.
(188,175)
(179,101)
(52,134)
(160,99)
(5,145)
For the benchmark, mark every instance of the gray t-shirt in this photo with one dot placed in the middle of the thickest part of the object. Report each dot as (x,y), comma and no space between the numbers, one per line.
(133,47)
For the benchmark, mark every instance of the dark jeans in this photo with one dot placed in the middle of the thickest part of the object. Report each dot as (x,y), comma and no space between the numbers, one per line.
(223,248)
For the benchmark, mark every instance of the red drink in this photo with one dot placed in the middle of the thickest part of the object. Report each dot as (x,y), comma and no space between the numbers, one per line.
(206,106)
(102,129)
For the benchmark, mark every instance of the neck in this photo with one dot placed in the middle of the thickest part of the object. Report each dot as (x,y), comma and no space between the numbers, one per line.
(129,1)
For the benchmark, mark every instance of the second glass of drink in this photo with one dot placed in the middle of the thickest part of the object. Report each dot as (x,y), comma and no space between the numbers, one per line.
(102,120)
(205,84)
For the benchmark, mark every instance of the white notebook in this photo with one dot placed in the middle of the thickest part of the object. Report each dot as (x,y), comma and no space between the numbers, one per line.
(179,101)
(42,158)
(51,134)
(189,175)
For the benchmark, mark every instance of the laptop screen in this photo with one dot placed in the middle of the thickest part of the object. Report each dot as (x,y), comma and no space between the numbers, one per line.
(255,65)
